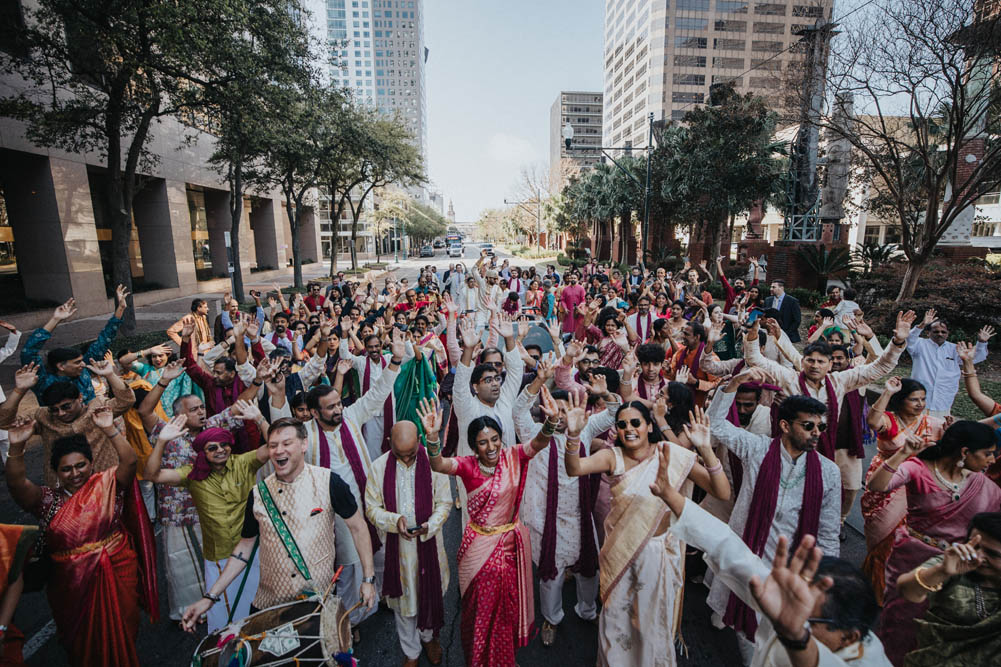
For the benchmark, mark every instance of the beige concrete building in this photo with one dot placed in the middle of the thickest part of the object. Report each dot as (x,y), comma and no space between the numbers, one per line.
(661,56)
(583,111)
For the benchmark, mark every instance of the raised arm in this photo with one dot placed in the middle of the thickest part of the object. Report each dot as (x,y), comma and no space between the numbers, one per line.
(97,349)
(122,396)
(371,404)
(877,419)
(784,377)
(861,376)
(12,341)
(984,402)
(25,378)
(126,470)
(25,492)
(959,559)
(153,472)
(709,473)
(737,440)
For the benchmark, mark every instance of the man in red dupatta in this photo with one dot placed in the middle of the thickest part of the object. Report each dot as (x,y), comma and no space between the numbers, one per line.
(700,382)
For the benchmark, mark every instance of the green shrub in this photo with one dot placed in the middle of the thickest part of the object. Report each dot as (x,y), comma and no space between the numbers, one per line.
(562,260)
(807,298)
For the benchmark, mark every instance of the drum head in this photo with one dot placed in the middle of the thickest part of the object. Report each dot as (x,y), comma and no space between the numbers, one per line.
(335,628)
(240,650)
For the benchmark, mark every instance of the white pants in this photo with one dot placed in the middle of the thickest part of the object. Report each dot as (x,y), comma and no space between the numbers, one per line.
(220,611)
(410,637)
(182,547)
(551,597)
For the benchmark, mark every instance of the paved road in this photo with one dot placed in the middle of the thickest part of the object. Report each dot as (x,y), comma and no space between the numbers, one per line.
(576,643)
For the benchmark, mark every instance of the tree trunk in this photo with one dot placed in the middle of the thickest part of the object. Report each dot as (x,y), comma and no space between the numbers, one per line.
(293,219)
(335,224)
(354,241)
(235,217)
(119,206)
(915,266)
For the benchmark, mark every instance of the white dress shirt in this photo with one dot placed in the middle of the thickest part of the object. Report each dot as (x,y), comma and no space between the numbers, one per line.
(937,367)
(467,407)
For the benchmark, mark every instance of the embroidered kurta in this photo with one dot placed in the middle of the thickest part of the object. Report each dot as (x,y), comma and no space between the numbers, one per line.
(751,448)
(386,521)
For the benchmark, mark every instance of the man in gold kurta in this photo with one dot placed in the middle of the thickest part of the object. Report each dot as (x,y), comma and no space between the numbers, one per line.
(409,509)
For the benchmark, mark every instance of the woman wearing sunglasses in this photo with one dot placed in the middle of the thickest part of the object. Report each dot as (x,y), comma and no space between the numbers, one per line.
(638,548)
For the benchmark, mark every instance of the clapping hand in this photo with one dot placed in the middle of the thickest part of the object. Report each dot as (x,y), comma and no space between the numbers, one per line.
(174,429)
(103,417)
(789,594)
(26,377)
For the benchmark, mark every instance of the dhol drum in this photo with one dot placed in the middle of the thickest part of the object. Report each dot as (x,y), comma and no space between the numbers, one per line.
(304,632)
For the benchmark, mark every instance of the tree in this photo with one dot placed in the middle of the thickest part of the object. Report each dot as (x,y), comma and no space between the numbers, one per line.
(824,262)
(391,209)
(929,82)
(719,163)
(256,80)
(423,223)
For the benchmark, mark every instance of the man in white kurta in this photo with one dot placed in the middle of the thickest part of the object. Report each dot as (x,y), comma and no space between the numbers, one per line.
(751,449)
(373,362)
(404,449)
(329,414)
(568,519)
(489,293)
(937,363)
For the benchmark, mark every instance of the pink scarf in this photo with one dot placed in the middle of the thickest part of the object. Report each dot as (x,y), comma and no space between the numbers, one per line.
(201,468)
(357,470)
(388,412)
(759,521)
(829,438)
(430,606)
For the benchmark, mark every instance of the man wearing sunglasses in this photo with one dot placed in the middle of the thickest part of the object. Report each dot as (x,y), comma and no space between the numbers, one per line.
(788,488)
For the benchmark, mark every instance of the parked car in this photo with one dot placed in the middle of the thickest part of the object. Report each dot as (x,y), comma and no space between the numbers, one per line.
(455,250)
(427,251)
(439,243)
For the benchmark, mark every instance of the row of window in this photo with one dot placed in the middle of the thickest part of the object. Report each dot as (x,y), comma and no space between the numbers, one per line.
(724,25)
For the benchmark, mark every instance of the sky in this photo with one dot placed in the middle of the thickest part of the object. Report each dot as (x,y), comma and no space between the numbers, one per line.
(493,73)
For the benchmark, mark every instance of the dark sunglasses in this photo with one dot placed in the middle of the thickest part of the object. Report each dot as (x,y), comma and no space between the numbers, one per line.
(809,426)
(634,422)
(213,447)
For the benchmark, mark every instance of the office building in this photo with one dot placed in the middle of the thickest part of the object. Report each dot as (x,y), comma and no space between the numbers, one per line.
(661,56)
(582,110)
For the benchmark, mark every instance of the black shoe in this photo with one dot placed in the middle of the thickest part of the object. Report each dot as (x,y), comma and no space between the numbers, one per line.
(844,533)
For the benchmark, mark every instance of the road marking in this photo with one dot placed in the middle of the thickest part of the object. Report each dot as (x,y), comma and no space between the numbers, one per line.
(38,640)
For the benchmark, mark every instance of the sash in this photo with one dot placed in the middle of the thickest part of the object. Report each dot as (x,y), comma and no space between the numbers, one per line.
(357,471)
(641,387)
(284,534)
(587,564)
(387,408)
(547,553)
(851,428)
(639,327)
(829,438)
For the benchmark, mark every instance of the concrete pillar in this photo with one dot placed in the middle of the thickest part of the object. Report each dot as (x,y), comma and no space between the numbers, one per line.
(217,215)
(182,254)
(267,239)
(49,204)
(151,212)
(309,235)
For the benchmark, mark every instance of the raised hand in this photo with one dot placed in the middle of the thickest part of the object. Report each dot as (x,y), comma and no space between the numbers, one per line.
(915,444)
(21,430)
(662,484)
(544,372)
(775,330)
(787,597)
(660,407)
(159,349)
(245,410)
(187,327)
(930,316)
(398,347)
(985,334)
(252,327)
(451,307)
(239,327)
(173,429)
(904,322)
(467,330)
(697,429)
(629,363)
(598,386)
(966,351)
(961,558)
(576,415)
(121,294)
(172,370)
(103,417)
(343,366)
(683,375)
(827,323)
(264,370)
(505,327)
(8,326)
(430,414)
(65,311)
(714,335)
(892,384)
(102,367)
(26,377)
(550,408)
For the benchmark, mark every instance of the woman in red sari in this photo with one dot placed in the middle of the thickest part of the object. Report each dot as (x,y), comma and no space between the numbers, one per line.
(946,487)
(95,580)
(495,556)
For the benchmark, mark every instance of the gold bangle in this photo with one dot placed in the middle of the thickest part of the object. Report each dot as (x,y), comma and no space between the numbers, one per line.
(917,578)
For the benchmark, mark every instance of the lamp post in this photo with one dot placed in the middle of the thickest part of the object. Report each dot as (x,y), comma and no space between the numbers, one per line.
(396,245)
(568,133)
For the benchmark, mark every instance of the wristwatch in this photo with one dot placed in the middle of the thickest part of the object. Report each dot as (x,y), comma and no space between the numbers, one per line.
(796,644)
(210,596)
(368,580)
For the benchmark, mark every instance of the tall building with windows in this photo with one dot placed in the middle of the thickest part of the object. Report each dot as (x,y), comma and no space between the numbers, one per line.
(661,56)
(582,110)
(376,49)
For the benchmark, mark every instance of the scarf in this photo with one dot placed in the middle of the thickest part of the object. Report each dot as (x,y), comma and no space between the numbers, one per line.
(357,470)
(587,563)
(275,337)
(640,334)
(430,606)
(829,438)
(759,521)
(694,366)
(387,408)
(641,387)
(201,468)
(851,425)
(515,285)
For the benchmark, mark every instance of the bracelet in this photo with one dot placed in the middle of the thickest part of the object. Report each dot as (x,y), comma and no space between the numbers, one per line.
(548,428)
(160,384)
(117,432)
(240,557)
(715,469)
(434,448)
(257,384)
(796,644)
(917,578)
(209,596)
(888,467)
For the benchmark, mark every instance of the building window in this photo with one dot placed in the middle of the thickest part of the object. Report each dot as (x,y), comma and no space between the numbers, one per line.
(690,79)
(770,9)
(766,46)
(729,44)
(678,114)
(689,61)
(811,11)
(728,63)
(730,26)
(684,23)
(892,235)
(769,28)
(687,98)
(693,5)
(989,199)
(683,42)
(732,7)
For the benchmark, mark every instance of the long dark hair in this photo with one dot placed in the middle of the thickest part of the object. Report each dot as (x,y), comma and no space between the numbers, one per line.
(972,435)
(656,435)
(479,424)
(682,402)
(907,387)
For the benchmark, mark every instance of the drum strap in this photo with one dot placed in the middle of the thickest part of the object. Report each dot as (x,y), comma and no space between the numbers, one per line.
(243,582)
(283,532)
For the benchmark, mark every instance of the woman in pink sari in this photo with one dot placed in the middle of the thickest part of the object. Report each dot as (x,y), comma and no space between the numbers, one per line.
(897,415)
(99,544)
(495,556)
(945,489)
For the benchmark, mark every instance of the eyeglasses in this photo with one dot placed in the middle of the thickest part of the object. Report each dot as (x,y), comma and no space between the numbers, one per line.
(587,362)
(59,409)
(493,379)
(634,422)
(213,447)
(809,426)
(828,621)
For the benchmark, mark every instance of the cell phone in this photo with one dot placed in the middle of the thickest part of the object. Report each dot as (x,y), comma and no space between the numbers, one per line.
(752,317)
(413,529)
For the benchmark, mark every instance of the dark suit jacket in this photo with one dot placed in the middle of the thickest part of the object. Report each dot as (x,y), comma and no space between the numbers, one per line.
(789,315)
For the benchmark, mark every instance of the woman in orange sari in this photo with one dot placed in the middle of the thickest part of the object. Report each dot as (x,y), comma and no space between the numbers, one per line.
(897,415)
(495,556)
(95,582)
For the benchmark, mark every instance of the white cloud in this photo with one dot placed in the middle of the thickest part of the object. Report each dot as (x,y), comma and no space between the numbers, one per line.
(510,149)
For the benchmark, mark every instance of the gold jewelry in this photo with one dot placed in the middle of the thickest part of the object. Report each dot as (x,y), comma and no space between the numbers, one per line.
(917,578)
(805,578)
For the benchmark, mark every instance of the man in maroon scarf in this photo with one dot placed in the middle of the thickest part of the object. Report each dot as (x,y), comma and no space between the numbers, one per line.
(409,504)
(694,336)
(849,449)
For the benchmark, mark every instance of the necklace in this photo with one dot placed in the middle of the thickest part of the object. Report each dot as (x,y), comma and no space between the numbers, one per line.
(486,470)
(946,483)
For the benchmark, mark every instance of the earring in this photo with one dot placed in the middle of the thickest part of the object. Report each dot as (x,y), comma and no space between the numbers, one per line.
(961,464)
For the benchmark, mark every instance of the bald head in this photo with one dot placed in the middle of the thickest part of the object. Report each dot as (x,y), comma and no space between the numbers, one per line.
(403,442)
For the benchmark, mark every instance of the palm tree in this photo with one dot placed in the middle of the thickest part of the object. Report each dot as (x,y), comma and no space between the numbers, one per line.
(867,257)
(824,262)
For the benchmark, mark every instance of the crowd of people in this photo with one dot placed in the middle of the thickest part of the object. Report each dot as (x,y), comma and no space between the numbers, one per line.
(600,426)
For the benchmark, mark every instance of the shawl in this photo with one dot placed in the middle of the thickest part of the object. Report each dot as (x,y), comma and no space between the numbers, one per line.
(829,438)
(201,469)
(759,521)
(851,425)
(430,605)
